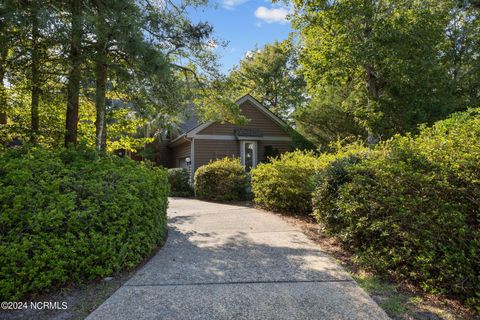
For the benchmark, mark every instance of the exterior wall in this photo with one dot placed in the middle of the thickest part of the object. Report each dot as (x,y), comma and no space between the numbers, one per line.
(218,140)
(282,146)
(179,151)
(207,150)
(258,120)
(162,153)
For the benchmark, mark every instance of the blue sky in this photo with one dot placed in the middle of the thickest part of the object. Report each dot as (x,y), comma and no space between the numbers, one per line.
(244,24)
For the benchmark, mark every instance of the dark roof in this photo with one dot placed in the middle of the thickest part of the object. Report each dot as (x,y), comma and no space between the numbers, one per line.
(188,124)
(190,119)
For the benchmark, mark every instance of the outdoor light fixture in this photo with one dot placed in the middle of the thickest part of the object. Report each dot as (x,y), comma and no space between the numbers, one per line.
(188,160)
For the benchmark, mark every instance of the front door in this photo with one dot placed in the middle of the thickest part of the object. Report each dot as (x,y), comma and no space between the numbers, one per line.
(248,153)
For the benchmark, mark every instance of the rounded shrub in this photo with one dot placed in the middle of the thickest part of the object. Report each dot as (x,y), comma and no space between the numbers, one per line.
(179,180)
(221,180)
(411,208)
(328,182)
(286,183)
(74,215)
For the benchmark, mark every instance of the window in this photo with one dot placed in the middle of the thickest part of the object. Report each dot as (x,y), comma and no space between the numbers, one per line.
(270,152)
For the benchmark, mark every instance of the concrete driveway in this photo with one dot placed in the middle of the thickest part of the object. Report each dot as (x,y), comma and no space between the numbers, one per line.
(232,262)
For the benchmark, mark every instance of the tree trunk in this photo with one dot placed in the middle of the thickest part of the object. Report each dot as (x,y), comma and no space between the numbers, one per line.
(3,71)
(73,89)
(101,79)
(3,93)
(371,80)
(372,83)
(35,79)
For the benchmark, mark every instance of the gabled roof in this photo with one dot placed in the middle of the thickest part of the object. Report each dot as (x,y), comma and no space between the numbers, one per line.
(194,130)
(263,109)
(191,120)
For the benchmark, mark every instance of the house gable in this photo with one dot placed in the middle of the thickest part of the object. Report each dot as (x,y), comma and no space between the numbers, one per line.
(261,122)
(215,140)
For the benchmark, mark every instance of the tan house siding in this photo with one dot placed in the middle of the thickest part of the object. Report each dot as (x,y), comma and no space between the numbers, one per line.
(282,146)
(207,150)
(179,152)
(162,153)
(212,141)
(258,120)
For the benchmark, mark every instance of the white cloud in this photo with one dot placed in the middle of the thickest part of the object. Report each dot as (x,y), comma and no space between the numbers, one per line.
(231,4)
(273,15)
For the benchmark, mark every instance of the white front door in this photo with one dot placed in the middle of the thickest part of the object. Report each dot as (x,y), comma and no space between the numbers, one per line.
(248,154)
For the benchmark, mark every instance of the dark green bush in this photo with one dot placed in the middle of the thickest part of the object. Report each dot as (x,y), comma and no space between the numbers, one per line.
(325,196)
(68,216)
(179,180)
(412,207)
(221,180)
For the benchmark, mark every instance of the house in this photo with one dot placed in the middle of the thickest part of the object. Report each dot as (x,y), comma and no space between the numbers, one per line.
(263,135)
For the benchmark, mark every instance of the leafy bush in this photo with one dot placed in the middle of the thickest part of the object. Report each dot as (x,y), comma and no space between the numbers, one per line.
(286,183)
(411,208)
(68,216)
(179,180)
(221,180)
(328,181)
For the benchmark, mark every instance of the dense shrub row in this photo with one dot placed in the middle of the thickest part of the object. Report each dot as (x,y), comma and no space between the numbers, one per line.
(412,206)
(67,216)
(179,180)
(287,182)
(221,180)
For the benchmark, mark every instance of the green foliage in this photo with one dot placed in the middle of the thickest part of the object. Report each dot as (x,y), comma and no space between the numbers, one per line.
(269,74)
(299,142)
(221,180)
(384,67)
(325,196)
(392,301)
(179,180)
(411,206)
(286,183)
(323,119)
(131,66)
(73,215)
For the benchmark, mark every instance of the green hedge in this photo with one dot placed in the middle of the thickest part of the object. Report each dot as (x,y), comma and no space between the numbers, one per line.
(68,216)
(179,180)
(412,207)
(286,183)
(221,180)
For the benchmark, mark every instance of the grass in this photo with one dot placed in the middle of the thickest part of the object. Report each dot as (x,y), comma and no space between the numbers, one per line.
(393,302)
